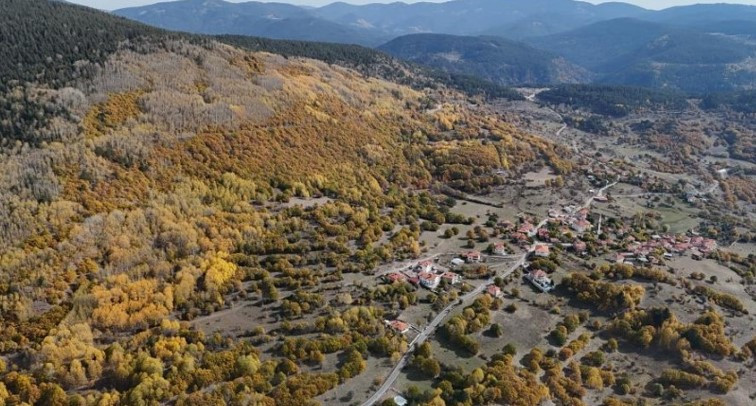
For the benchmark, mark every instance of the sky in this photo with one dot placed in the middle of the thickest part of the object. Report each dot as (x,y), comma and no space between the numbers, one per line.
(650,4)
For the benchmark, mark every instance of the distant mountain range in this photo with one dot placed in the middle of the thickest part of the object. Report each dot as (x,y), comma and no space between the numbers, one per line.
(494,59)
(642,53)
(695,48)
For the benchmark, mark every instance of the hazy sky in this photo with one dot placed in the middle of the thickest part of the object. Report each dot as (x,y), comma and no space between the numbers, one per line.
(652,4)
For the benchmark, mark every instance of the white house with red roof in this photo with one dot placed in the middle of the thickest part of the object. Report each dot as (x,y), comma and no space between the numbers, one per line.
(500,248)
(429,280)
(451,278)
(494,291)
(541,280)
(581,225)
(424,266)
(541,251)
(527,229)
(472,257)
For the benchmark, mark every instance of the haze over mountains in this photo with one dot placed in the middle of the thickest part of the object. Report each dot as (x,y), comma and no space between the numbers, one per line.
(692,48)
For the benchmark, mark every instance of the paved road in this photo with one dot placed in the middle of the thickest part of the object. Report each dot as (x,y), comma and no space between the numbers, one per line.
(433,325)
(430,329)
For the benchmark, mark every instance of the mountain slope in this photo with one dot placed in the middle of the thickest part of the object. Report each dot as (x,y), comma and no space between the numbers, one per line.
(159,178)
(274,20)
(494,59)
(466,17)
(368,24)
(703,13)
(642,53)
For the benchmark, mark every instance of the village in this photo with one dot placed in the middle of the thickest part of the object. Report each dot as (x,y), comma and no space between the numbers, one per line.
(567,229)
(576,232)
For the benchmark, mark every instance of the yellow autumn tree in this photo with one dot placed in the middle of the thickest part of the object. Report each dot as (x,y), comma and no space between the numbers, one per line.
(218,271)
(70,352)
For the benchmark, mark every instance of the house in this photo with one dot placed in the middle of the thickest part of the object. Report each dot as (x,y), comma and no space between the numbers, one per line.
(424,266)
(395,277)
(541,250)
(429,280)
(540,280)
(506,225)
(457,262)
(601,199)
(519,237)
(708,245)
(582,213)
(543,233)
(400,400)
(451,278)
(579,246)
(472,257)
(398,325)
(414,280)
(619,259)
(581,225)
(681,247)
(527,229)
(494,291)
(500,248)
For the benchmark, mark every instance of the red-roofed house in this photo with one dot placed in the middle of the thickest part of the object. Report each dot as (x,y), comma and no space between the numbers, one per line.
(494,291)
(541,251)
(519,237)
(543,233)
(526,228)
(429,280)
(394,277)
(681,247)
(581,226)
(708,245)
(399,326)
(472,256)
(540,280)
(451,278)
(424,266)
(500,248)
(579,246)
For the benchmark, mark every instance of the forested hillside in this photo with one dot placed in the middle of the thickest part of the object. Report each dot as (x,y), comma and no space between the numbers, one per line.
(615,101)
(633,52)
(493,59)
(148,180)
(374,63)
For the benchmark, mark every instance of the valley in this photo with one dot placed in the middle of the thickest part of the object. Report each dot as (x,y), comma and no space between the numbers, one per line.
(192,219)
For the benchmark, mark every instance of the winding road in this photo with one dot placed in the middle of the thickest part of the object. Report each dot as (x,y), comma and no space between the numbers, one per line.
(433,325)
